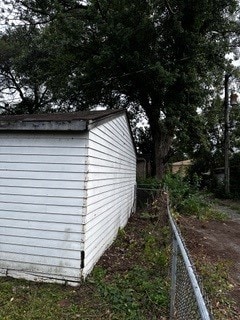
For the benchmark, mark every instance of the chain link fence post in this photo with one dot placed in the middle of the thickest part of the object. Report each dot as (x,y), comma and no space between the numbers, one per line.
(173,277)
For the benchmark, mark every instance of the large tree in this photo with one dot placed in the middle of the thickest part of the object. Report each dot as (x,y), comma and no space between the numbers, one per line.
(22,82)
(159,55)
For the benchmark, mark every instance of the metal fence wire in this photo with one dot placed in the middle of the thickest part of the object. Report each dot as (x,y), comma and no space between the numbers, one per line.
(145,196)
(187,300)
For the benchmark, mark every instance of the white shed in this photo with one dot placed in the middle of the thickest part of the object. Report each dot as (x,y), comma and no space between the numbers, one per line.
(67,184)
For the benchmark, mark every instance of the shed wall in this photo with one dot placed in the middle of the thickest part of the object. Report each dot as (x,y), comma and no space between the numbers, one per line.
(42,196)
(110,186)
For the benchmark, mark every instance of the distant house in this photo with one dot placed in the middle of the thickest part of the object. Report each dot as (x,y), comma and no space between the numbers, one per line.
(181,167)
(67,184)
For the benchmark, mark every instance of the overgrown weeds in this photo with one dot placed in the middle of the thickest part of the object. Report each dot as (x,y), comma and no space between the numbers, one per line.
(229,203)
(140,293)
(215,276)
(140,290)
(186,199)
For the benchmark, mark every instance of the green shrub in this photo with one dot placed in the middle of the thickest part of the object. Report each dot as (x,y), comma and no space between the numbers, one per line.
(129,292)
(179,189)
(153,254)
(150,183)
(187,200)
(193,205)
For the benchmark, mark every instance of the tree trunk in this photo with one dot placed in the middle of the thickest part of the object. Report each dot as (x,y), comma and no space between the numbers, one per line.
(162,145)
(159,164)
(162,138)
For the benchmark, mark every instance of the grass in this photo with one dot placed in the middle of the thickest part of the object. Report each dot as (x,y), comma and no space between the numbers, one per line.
(231,204)
(23,300)
(215,277)
(137,294)
(129,282)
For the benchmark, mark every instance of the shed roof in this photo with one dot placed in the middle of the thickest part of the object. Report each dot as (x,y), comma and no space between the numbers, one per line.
(72,121)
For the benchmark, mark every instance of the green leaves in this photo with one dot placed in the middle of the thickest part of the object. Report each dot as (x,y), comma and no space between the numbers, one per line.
(162,56)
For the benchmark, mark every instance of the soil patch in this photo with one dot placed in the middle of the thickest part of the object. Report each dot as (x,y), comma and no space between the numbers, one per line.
(127,250)
(216,241)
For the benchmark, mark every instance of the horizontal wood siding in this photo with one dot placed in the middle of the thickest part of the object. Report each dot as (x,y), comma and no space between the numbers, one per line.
(42,196)
(110,186)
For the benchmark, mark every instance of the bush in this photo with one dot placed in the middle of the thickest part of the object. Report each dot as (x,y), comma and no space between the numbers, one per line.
(150,183)
(185,197)
(193,205)
(179,189)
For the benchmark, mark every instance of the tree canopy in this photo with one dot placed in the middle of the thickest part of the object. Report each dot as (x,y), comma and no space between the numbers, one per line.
(160,56)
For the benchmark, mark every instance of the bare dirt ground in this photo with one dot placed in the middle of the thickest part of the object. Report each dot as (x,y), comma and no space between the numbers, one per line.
(217,241)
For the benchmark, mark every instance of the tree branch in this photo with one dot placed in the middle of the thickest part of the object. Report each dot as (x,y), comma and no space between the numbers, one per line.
(17,86)
(169,7)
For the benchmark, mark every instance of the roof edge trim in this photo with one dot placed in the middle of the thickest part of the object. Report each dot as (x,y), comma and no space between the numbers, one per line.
(73,125)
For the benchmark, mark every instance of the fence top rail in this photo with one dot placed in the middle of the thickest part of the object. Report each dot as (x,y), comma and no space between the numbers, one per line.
(189,267)
(148,189)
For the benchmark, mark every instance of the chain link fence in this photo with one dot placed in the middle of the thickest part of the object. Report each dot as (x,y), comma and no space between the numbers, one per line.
(187,299)
(145,196)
